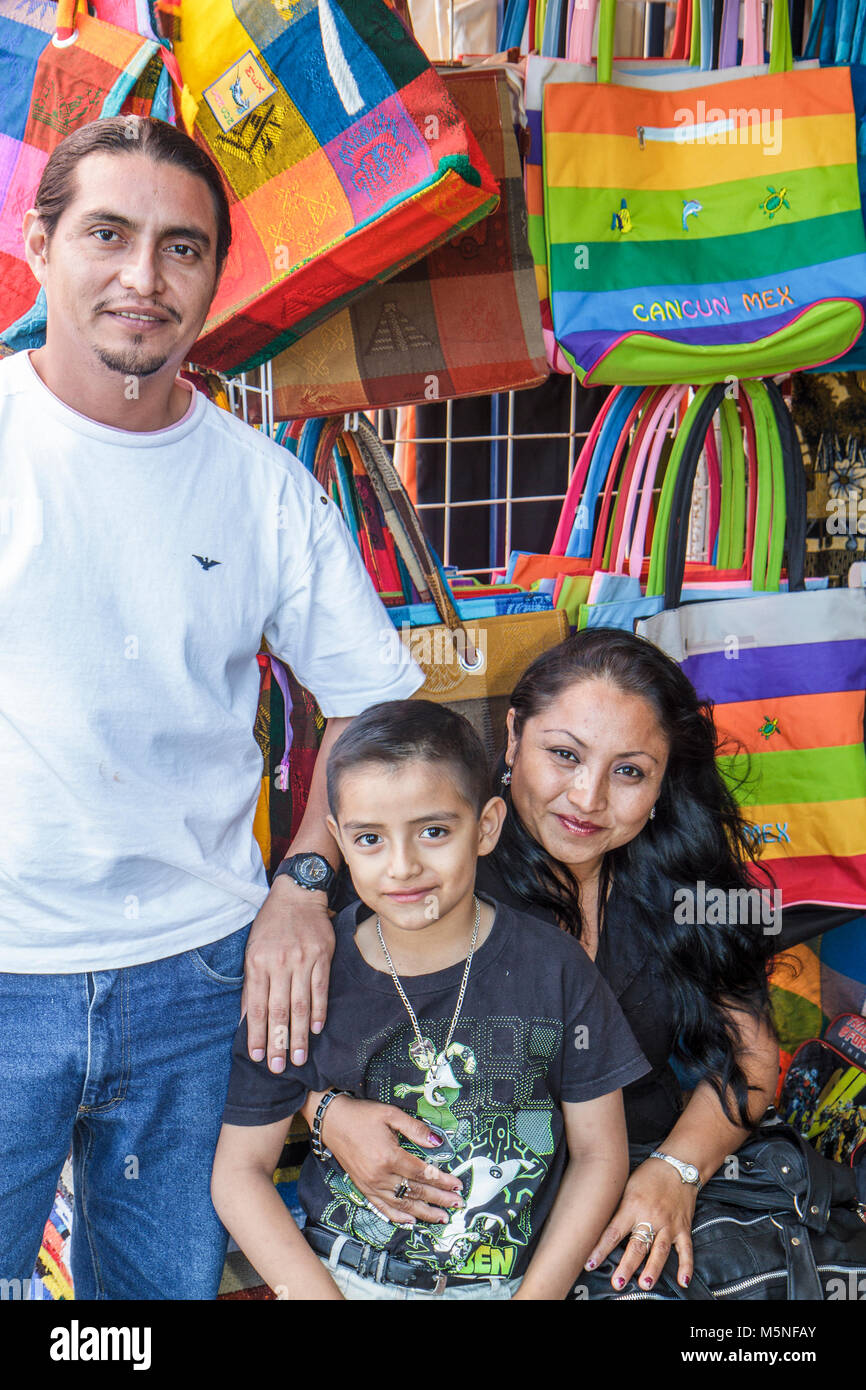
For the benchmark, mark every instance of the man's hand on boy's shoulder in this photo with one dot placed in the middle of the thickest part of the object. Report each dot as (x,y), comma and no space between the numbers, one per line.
(286,972)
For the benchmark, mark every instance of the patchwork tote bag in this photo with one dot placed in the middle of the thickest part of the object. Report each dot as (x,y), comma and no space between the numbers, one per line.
(694,236)
(344,157)
(463,321)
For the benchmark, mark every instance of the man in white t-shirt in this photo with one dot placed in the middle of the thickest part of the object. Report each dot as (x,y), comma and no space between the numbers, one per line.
(147,540)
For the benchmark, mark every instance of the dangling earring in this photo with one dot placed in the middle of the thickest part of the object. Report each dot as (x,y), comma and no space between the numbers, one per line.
(506,776)
(652,814)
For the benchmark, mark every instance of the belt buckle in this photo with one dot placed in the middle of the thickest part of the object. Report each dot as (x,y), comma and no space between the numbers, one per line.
(441,1284)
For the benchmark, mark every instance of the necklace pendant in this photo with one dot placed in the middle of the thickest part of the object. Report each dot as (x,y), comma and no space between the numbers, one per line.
(423,1053)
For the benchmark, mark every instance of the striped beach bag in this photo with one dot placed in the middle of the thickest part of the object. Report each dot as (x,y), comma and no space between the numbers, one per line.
(787,676)
(693,235)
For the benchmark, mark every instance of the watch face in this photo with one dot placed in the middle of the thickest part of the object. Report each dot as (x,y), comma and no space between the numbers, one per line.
(690,1173)
(313,868)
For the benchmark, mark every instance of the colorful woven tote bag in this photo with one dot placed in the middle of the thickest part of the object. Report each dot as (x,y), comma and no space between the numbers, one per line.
(463,321)
(50,89)
(344,157)
(787,676)
(691,237)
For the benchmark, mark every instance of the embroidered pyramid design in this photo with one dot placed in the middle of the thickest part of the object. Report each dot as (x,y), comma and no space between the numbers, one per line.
(396,333)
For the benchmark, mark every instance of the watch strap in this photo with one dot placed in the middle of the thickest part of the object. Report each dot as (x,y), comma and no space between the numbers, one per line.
(680,1166)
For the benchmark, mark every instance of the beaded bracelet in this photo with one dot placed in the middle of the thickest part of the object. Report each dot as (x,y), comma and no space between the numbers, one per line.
(323,1154)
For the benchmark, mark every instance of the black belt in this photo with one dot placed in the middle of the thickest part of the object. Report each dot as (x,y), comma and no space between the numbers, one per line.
(370,1263)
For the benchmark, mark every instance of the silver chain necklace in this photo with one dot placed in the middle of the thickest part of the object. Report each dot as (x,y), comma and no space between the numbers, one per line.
(422,1051)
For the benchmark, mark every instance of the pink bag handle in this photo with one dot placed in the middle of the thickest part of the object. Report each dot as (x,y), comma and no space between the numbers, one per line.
(671,405)
(578,478)
(753,33)
(634,463)
(651,442)
(581,27)
(599,540)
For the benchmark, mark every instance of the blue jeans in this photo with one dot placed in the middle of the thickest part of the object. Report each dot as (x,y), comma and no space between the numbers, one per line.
(129,1069)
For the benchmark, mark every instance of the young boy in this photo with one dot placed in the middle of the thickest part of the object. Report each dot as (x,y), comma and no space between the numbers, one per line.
(494,1028)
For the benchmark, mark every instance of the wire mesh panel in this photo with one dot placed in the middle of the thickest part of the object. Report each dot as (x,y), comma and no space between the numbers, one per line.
(488,474)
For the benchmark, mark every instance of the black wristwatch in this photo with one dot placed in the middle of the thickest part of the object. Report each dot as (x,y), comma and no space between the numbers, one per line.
(311,871)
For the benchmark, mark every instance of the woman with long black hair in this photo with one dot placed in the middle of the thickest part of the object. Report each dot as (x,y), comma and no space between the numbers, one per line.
(621,828)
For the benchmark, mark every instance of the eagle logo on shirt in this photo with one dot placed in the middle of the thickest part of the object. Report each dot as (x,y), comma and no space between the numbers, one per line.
(206,563)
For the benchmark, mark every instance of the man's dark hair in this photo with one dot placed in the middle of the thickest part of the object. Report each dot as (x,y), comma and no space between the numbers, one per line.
(129,135)
(404,731)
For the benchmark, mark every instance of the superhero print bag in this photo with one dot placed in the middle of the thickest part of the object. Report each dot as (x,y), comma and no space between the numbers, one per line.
(824,1095)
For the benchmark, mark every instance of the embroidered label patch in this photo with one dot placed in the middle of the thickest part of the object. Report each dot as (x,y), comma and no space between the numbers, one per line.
(239,90)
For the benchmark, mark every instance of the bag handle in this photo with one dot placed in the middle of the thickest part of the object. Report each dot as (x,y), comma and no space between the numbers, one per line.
(681,467)
(632,474)
(65,22)
(780,494)
(403,522)
(601,540)
(795,488)
(580,542)
(578,478)
(729,34)
(665,419)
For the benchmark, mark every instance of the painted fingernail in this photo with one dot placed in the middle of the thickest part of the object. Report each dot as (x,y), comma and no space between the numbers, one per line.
(258,1054)
(298,1057)
(647,1283)
(687,1279)
(316,1027)
(590,1264)
(277,1063)
(619,1283)
(434,1140)
(457,1202)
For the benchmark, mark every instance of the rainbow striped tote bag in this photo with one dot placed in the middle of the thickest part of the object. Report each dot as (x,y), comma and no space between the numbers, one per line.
(787,676)
(695,235)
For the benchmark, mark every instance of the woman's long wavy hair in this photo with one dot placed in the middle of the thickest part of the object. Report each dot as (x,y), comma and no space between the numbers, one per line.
(697,835)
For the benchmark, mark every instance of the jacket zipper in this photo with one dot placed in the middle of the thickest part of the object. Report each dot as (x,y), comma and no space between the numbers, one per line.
(716,1219)
(782,1274)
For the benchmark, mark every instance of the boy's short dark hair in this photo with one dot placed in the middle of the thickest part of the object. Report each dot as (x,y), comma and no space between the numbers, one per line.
(403,731)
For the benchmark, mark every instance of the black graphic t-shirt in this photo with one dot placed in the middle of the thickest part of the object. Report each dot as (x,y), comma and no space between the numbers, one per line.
(538,1027)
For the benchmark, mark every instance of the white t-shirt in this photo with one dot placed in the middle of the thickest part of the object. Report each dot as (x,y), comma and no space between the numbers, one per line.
(138,572)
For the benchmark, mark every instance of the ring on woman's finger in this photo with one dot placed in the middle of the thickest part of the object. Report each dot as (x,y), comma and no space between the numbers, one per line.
(401,1190)
(643,1232)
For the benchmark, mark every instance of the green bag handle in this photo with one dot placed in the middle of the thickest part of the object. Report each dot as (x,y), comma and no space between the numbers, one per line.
(655,578)
(781,502)
(732,515)
(771,509)
(781,48)
(769,485)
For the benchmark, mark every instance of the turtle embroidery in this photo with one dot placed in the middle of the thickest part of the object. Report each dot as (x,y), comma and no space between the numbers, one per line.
(775,201)
(769,727)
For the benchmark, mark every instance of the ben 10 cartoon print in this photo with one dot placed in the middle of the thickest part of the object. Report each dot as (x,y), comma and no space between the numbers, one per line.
(486,1146)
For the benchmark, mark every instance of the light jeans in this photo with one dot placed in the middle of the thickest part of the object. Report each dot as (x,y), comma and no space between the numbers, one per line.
(352,1286)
